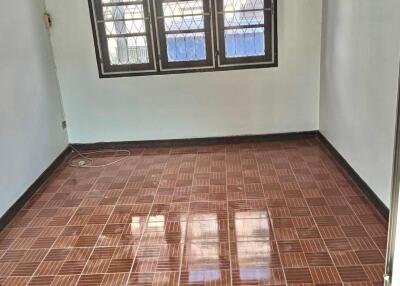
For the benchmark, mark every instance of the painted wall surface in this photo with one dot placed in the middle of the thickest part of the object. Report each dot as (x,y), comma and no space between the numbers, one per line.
(257,101)
(359,73)
(31,136)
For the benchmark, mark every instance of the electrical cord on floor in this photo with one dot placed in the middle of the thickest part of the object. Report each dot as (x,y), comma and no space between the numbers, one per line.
(87,162)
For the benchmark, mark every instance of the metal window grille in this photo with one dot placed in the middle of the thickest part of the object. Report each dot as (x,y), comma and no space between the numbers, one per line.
(138,37)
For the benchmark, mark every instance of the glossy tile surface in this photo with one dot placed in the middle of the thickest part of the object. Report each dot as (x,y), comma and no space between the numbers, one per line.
(268,213)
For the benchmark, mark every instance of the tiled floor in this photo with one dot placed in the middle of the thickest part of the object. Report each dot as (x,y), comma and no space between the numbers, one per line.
(272,213)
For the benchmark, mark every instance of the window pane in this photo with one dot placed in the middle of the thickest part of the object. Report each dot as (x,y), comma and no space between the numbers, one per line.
(114,1)
(186,47)
(180,8)
(123,12)
(124,19)
(128,50)
(188,17)
(235,5)
(244,28)
(244,42)
(244,18)
(125,27)
(184,15)
(183,23)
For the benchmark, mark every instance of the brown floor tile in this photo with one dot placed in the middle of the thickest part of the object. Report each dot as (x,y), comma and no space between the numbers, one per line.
(120,265)
(96,266)
(325,275)
(345,258)
(25,269)
(164,279)
(47,268)
(268,213)
(205,277)
(87,280)
(289,246)
(370,257)
(374,272)
(72,267)
(298,275)
(352,274)
(41,281)
(16,281)
(293,260)
(319,259)
(258,276)
(313,245)
(68,280)
(115,279)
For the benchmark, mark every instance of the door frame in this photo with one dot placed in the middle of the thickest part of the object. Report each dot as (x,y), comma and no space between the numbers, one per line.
(394,207)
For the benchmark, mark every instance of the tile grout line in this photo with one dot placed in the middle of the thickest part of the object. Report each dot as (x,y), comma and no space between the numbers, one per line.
(315,222)
(145,222)
(51,247)
(277,247)
(113,208)
(182,251)
(228,220)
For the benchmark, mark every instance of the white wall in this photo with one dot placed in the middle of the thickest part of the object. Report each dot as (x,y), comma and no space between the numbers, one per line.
(31,136)
(359,73)
(257,101)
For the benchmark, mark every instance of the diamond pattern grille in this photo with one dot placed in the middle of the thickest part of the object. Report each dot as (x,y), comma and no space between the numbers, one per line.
(128,50)
(114,1)
(158,35)
(234,5)
(125,29)
(124,19)
(184,29)
(244,28)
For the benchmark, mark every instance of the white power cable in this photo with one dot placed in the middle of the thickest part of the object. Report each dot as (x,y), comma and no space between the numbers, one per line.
(87,162)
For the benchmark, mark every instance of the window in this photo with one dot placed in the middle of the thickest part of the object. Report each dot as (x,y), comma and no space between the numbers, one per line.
(125,38)
(245,31)
(139,37)
(184,29)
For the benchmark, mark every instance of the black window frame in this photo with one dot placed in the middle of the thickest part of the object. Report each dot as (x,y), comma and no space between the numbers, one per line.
(165,65)
(158,64)
(101,42)
(267,58)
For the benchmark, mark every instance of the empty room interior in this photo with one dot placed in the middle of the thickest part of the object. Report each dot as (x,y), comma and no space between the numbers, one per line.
(199,142)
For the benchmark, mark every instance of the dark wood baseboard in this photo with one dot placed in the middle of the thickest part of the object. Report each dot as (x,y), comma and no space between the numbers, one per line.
(196,141)
(19,204)
(369,193)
